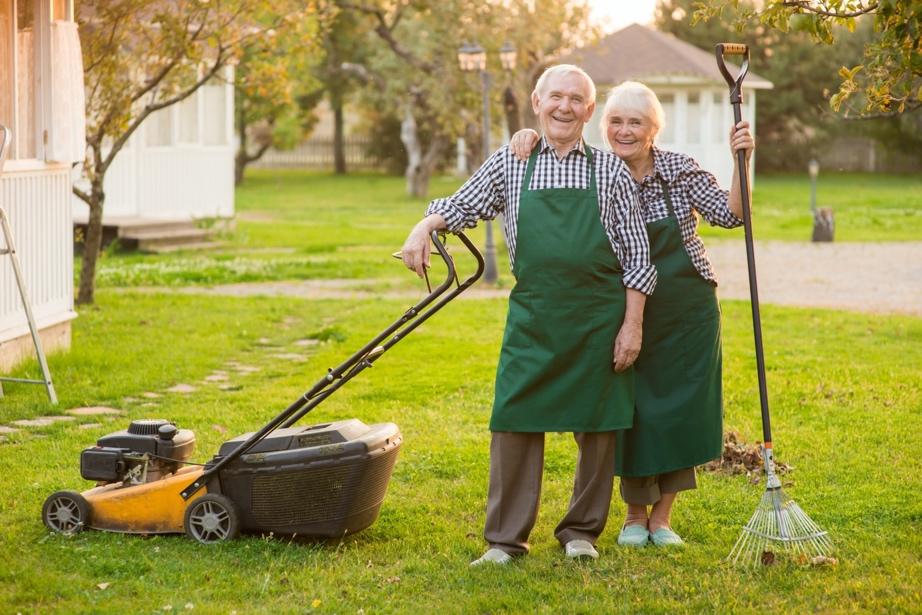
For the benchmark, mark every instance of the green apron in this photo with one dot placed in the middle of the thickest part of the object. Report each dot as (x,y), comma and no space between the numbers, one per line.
(555,367)
(678,418)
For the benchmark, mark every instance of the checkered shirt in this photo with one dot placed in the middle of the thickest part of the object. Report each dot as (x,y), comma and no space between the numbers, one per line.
(496,188)
(692,189)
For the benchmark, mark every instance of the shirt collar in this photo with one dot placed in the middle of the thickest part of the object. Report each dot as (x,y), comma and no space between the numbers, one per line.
(580,146)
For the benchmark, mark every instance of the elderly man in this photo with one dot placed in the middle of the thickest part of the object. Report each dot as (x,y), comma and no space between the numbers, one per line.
(580,257)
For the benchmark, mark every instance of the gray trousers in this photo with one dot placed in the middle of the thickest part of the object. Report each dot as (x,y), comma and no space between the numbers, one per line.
(516,468)
(647,490)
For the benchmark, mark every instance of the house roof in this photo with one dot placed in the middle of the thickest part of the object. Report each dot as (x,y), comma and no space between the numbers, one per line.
(643,54)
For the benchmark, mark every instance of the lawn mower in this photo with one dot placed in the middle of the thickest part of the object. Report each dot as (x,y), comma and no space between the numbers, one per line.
(322,481)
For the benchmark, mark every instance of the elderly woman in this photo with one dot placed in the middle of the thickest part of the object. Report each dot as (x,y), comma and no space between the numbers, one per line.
(678,411)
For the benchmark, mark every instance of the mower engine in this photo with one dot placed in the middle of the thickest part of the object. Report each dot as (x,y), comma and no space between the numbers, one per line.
(148,450)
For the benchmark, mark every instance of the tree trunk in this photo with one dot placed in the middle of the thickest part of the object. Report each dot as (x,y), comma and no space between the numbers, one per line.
(240,160)
(511,108)
(86,293)
(410,139)
(339,148)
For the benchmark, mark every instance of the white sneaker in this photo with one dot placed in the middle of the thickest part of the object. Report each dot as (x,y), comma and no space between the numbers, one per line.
(579,549)
(493,556)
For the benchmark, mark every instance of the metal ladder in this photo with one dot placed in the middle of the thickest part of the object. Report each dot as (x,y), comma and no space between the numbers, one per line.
(10,248)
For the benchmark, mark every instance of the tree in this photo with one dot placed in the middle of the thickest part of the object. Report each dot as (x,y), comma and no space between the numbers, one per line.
(888,83)
(417,79)
(274,88)
(141,56)
(794,116)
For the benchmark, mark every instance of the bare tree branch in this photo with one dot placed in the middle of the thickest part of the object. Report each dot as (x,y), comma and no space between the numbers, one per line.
(809,6)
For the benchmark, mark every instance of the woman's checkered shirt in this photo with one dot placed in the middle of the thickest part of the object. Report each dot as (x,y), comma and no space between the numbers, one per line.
(496,187)
(692,189)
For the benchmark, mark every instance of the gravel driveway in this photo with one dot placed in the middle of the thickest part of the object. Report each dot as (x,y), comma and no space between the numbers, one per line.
(865,277)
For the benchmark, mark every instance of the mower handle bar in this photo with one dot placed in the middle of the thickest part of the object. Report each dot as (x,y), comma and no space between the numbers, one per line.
(359,361)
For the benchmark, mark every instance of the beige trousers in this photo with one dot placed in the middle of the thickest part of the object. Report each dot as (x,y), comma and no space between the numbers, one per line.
(647,490)
(516,468)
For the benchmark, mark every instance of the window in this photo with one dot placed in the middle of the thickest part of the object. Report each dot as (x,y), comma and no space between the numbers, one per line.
(694,118)
(720,127)
(667,135)
(159,127)
(188,120)
(215,113)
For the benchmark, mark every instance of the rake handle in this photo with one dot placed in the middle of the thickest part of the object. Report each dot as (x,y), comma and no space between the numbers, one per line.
(736,100)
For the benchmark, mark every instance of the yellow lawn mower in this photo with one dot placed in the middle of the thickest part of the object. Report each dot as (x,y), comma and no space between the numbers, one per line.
(325,480)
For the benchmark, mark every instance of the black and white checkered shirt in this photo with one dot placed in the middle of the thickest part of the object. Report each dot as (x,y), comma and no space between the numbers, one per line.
(496,186)
(692,189)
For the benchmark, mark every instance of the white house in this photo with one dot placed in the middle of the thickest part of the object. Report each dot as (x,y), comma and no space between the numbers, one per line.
(41,100)
(687,82)
(178,165)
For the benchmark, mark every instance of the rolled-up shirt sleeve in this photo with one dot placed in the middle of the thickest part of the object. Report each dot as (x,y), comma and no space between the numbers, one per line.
(707,197)
(631,234)
(482,196)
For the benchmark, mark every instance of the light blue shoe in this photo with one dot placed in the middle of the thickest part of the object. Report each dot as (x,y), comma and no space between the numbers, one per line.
(665,537)
(634,536)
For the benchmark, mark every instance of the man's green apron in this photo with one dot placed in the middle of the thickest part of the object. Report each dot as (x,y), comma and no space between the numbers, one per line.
(555,368)
(678,414)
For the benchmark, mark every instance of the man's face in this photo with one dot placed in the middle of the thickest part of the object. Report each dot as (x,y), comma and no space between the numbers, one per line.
(563,108)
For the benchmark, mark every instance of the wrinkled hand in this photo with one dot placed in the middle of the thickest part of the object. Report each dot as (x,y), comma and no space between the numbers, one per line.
(627,345)
(523,142)
(741,139)
(416,249)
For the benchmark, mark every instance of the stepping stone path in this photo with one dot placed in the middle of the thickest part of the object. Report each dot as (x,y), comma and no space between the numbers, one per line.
(93,411)
(289,356)
(181,388)
(71,415)
(217,377)
(307,342)
(42,421)
(150,395)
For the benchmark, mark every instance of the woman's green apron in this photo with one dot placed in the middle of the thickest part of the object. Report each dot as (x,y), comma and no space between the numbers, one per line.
(555,369)
(679,406)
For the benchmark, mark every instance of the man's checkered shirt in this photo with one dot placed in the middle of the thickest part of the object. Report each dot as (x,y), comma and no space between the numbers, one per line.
(496,187)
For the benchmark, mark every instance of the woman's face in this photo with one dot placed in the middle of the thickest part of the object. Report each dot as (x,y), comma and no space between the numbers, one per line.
(630,134)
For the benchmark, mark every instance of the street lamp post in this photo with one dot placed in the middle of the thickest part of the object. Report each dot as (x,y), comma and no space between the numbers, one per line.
(473,58)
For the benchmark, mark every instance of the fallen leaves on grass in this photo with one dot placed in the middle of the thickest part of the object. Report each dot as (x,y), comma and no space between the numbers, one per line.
(741,458)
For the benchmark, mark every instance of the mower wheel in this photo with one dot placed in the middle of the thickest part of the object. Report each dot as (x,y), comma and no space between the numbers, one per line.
(66,512)
(211,518)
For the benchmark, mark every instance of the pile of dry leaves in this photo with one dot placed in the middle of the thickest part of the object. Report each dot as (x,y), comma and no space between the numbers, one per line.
(741,458)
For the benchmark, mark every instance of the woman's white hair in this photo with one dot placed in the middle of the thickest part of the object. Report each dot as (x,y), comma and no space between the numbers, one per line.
(633,96)
(563,69)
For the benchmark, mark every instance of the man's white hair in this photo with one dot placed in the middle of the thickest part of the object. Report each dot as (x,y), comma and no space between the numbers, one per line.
(563,69)
(633,96)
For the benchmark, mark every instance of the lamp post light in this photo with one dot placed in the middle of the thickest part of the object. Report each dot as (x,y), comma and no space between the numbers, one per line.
(473,58)
(813,167)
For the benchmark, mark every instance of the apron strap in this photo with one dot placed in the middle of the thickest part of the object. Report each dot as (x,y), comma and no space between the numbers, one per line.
(665,187)
(530,169)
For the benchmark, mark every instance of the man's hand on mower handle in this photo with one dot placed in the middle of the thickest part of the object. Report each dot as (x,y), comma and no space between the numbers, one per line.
(418,246)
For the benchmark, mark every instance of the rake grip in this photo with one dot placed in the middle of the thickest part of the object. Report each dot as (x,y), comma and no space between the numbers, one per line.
(734,49)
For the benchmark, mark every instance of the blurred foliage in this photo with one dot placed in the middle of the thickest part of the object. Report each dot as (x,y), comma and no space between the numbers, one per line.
(889,79)
(794,118)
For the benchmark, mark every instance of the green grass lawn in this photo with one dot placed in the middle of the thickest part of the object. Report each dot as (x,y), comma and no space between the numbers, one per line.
(846,398)
(301,225)
(845,389)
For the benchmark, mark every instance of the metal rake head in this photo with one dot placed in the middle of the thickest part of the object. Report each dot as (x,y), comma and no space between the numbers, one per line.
(779,526)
